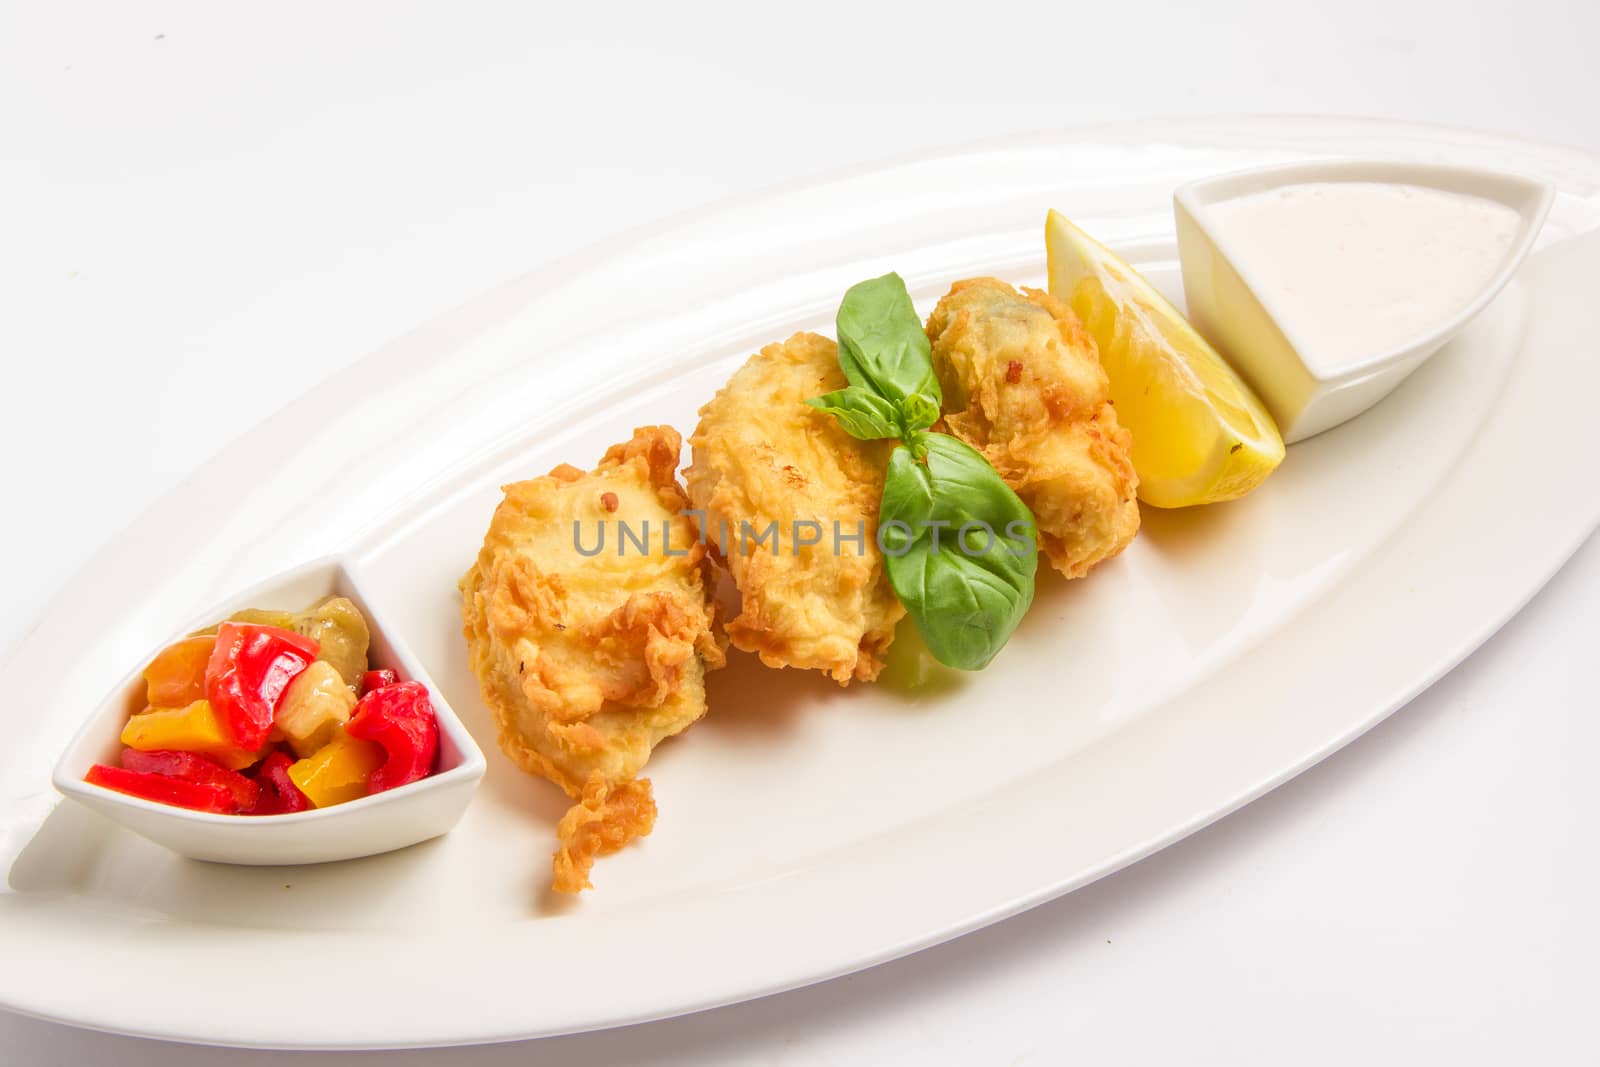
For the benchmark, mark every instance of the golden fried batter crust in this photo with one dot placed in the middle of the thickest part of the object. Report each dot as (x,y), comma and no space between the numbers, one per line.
(760,455)
(1023,384)
(605,818)
(588,662)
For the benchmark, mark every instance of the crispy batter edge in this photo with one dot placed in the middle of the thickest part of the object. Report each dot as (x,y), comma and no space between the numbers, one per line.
(748,630)
(606,818)
(1111,443)
(609,814)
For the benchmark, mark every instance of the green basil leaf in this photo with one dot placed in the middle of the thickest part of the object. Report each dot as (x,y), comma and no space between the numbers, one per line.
(882,345)
(861,412)
(959,549)
(918,411)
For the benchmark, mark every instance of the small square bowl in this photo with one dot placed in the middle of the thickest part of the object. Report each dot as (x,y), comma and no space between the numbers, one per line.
(378,823)
(1306,399)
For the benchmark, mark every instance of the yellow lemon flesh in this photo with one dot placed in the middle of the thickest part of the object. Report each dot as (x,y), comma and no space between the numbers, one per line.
(1200,436)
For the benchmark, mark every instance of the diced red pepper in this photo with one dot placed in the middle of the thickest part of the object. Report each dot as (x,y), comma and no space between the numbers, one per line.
(248,671)
(193,767)
(377,680)
(400,718)
(279,795)
(197,796)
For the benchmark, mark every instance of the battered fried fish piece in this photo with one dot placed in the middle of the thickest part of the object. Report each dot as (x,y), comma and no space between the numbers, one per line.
(1023,384)
(588,661)
(761,456)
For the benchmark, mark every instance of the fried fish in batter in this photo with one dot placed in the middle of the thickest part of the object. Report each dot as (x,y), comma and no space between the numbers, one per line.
(588,661)
(1023,384)
(762,456)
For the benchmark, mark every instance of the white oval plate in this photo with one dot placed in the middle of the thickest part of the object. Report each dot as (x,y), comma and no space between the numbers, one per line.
(805,831)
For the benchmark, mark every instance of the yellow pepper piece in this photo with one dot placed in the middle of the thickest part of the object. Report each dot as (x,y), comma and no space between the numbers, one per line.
(176,678)
(193,728)
(338,771)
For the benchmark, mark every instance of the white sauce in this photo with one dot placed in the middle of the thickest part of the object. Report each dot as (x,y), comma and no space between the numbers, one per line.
(1353,270)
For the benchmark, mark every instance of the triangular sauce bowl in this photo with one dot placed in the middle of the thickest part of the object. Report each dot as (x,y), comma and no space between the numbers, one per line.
(1223,288)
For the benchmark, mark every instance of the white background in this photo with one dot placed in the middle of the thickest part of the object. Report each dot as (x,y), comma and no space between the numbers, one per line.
(207,208)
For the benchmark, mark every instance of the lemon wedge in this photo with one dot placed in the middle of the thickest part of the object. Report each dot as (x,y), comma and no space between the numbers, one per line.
(1200,436)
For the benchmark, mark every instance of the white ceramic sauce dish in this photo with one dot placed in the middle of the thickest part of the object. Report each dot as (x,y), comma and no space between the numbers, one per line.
(378,823)
(1232,299)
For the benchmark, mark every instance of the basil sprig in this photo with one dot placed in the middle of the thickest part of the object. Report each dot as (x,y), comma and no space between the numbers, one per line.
(958,544)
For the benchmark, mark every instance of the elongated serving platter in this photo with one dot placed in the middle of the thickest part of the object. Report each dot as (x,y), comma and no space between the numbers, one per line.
(805,831)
